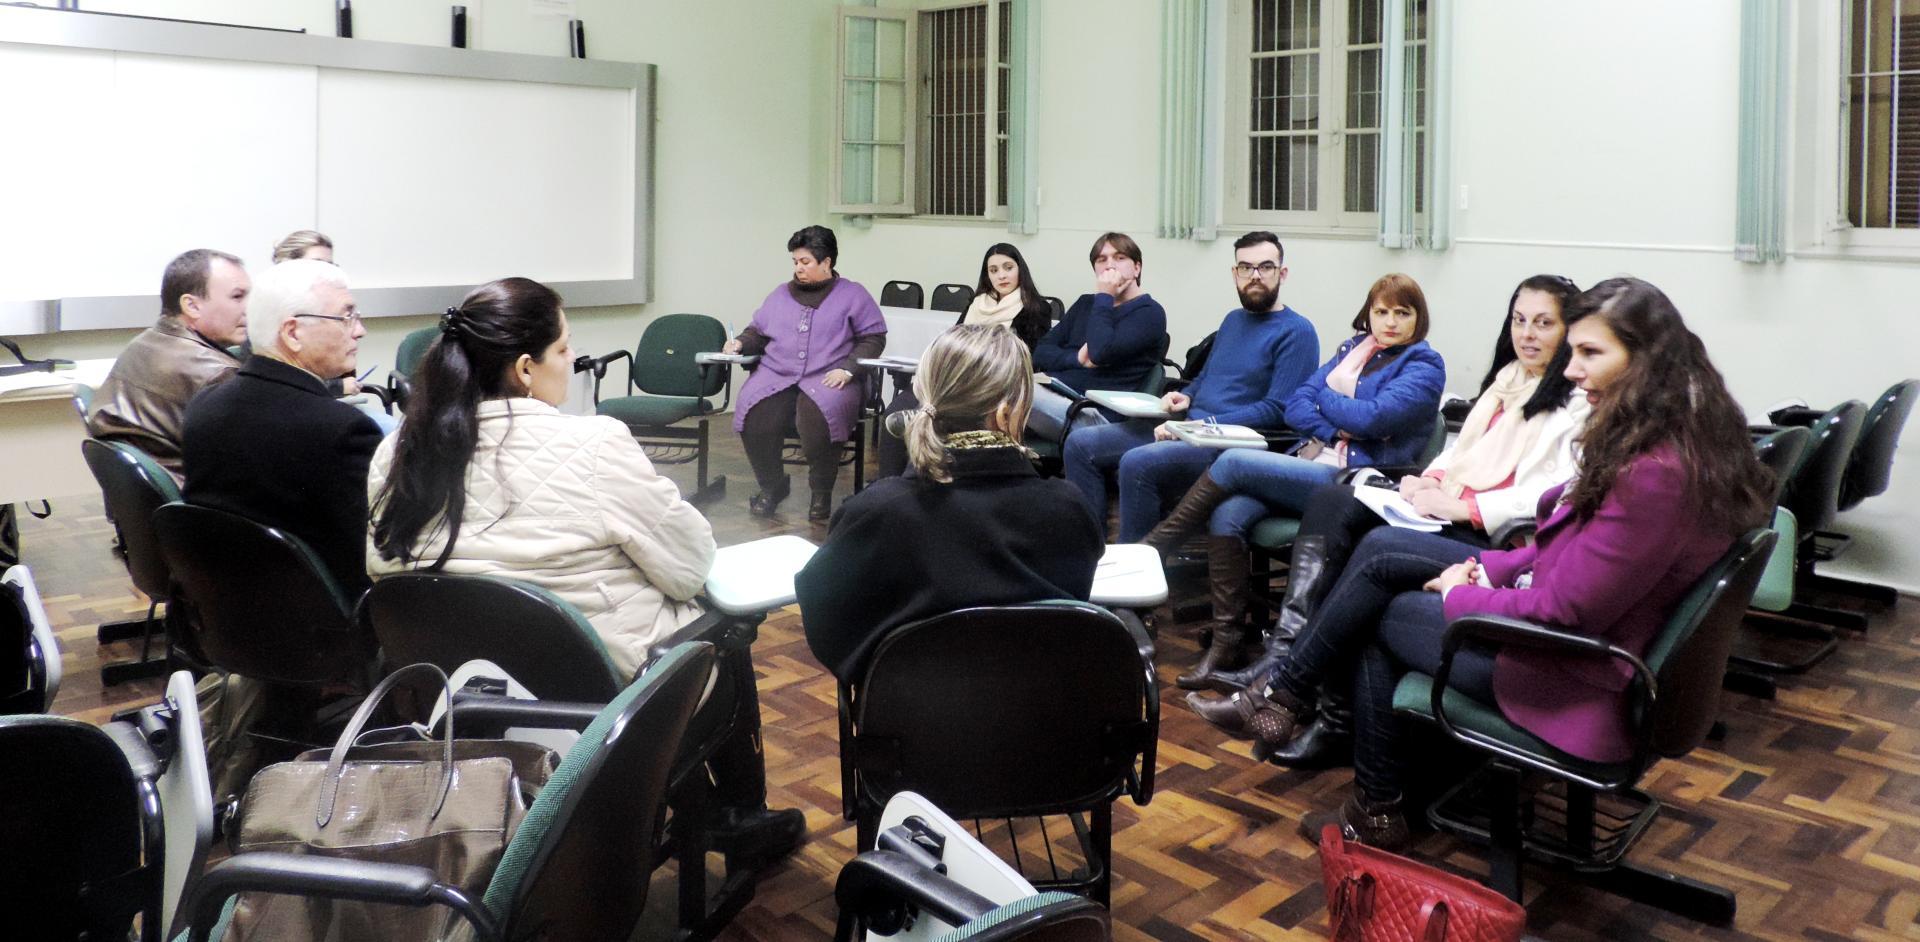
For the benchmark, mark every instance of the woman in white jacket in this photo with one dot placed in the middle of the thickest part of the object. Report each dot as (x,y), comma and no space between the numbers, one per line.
(1516,443)
(487,477)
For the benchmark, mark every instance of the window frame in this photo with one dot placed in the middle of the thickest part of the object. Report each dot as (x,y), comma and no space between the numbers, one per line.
(994,200)
(1821,148)
(909,105)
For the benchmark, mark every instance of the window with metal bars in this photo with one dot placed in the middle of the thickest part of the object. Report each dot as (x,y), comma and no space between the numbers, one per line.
(1306,106)
(1881,122)
(963,114)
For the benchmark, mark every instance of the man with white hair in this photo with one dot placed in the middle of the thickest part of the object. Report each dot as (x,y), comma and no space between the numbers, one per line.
(271,445)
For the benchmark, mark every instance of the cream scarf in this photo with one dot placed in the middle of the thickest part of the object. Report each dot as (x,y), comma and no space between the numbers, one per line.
(1488,450)
(994,312)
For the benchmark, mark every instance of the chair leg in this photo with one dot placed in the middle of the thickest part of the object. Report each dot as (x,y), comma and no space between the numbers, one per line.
(1824,640)
(146,665)
(1505,851)
(1102,827)
(1682,896)
(1820,614)
(693,810)
(1874,593)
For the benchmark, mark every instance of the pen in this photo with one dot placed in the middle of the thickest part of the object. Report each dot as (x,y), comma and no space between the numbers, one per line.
(369,372)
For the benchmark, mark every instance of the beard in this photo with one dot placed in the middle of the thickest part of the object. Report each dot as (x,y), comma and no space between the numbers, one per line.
(1257,298)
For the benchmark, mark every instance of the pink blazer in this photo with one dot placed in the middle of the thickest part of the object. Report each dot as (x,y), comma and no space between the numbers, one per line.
(1615,575)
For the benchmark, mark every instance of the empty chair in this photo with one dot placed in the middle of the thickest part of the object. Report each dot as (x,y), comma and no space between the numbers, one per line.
(1677,691)
(580,863)
(134,486)
(1058,306)
(951,297)
(666,386)
(1813,494)
(902,294)
(1005,712)
(29,652)
(1869,472)
(405,360)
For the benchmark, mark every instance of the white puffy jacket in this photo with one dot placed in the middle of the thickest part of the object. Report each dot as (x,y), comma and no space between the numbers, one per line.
(570,503)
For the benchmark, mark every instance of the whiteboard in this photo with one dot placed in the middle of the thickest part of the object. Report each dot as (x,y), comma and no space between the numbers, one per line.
(432,169)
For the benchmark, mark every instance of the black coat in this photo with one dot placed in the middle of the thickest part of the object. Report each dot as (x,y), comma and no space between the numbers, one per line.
(271,445)
(907,548)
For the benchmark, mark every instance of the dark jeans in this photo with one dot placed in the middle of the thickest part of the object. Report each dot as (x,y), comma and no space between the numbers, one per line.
(764,436)
(738,765)
(1376,625)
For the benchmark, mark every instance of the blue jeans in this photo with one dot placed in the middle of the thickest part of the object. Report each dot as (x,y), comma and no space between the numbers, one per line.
(1094,453)
(1263,484)
(1376,625)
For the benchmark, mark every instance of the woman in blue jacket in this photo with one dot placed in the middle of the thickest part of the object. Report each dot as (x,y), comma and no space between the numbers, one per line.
(1373,403)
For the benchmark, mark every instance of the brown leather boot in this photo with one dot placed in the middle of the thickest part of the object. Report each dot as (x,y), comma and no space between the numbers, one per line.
(1308,581)
(1227,577)
(1373,823)
(1187,517)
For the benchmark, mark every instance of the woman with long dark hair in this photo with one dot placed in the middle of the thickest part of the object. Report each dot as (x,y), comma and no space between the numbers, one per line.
(1005,296)
(1516,442)
(487,476)
(1668,479)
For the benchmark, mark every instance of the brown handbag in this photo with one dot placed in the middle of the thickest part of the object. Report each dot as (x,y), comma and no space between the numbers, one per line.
(450,806)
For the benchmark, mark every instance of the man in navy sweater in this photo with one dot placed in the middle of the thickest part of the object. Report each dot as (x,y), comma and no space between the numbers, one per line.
(1264,350)
(1109,339)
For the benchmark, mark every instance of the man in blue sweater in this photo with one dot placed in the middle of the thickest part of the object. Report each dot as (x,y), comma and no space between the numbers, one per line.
(1264,350)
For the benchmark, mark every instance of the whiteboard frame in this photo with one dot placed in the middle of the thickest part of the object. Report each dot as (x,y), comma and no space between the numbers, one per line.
(41,26)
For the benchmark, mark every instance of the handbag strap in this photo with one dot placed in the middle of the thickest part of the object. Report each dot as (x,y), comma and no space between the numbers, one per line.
(1433,921)
(337,759)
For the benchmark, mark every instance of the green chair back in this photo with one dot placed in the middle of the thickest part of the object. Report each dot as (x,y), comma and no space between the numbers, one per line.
(134,486)
(1775,591)
(448,620)
(663,364)
(580,864)
(413,347)
(1870,468)
(1688,657)
(1781,451)
(1436,443)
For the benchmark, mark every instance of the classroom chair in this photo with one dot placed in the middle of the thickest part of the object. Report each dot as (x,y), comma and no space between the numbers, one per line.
(1071,723)
(578,867)
(134,486)
(902,294)
(29,651)
(413,347)
(1676,699)
(671,389)
(950,297)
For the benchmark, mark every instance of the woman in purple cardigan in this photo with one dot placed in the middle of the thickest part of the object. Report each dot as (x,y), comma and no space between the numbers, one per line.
(807,333)
(1668,479)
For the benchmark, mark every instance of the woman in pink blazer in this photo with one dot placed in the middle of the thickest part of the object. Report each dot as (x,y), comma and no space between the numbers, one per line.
(1668,479)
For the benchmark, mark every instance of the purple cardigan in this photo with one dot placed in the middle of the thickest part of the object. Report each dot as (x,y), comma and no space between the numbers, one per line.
(803,343)
(1615,575)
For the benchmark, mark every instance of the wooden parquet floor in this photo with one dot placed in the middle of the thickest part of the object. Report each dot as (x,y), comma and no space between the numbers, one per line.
(1809,808)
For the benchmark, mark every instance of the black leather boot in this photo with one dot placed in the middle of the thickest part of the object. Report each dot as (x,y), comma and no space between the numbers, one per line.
(1187,517)
(1327,742)
(1307,583)
(1227,582)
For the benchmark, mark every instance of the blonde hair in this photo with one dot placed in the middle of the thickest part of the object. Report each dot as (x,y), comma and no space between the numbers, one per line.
(297,243)
(966,376)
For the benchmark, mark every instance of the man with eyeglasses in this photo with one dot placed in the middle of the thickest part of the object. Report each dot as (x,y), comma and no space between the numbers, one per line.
(272,445)
(143,402)
(1262,352)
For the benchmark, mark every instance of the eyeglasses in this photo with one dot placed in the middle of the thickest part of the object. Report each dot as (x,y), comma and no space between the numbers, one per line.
(1243,271)
(351,318)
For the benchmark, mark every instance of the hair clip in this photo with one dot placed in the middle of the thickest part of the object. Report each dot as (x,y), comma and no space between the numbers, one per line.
(450,322)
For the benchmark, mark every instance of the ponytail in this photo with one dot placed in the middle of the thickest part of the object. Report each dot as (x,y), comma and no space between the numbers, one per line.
(966,376)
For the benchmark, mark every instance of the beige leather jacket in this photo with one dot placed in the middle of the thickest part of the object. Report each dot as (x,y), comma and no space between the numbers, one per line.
(144,399)
(570,503)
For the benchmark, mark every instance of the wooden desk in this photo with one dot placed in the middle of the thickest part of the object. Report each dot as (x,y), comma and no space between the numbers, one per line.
(41,429)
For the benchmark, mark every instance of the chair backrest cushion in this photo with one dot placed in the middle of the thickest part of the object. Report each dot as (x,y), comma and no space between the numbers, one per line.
(29,652)
(413,347)
(1688,657)
(1814,493)
(1870,468)
(580,864)
(447,620)
(1775,591)
(663,363)
(72,819)
(133,486)
(953,298)
(1002,711)
(1436,443)
(902,294)
(261,604)
(1781,451)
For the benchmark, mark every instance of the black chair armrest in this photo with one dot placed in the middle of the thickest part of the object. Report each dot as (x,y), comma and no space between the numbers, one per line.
(1514,632)
(598,367)
(712,627)
(491,714)
(878,885)
(1174,383)
(333,878)
(381,393)
(1283,441)
(1510,533)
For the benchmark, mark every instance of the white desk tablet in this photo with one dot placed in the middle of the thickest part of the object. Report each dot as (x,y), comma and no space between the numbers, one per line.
(968,862)
(1217,436)
(41,431)
(1129,576)
(1133,405)
(758,576)
(891,364)
(736,358)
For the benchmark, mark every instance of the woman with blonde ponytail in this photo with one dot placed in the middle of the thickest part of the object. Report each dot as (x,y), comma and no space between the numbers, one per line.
(970,523)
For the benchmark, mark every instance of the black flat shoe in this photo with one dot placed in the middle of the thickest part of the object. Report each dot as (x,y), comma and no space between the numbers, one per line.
(763,503)
(821,509)
(753,839)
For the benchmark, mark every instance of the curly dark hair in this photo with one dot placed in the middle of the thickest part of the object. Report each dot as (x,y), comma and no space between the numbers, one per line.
(1668,394)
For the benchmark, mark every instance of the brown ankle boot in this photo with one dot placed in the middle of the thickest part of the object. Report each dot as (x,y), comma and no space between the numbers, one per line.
(1227,577)
(1373,823)
(1187,517)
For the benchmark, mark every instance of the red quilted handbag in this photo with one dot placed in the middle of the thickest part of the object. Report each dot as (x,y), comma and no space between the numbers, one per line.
(1375,896)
